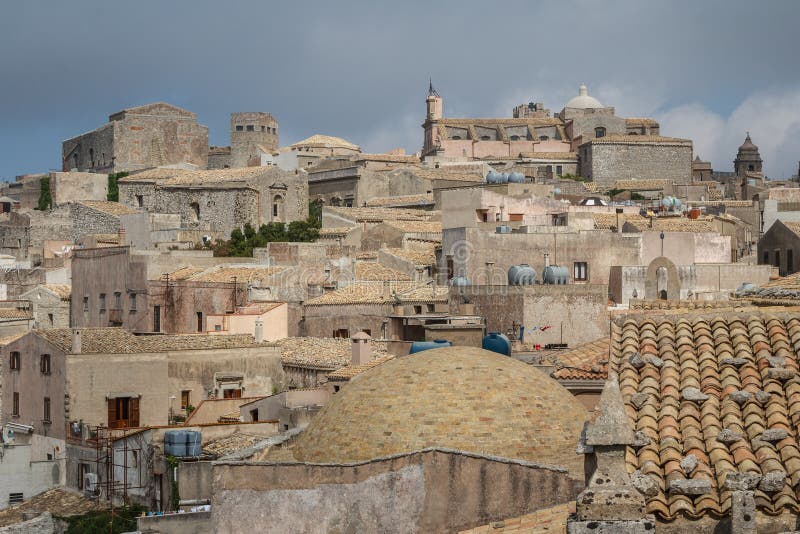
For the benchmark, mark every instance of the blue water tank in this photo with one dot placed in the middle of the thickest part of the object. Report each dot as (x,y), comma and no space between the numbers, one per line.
(503,229)
(493,177)
(497,342)
(516,177)
(419,346)
(460,281)
(521,275)
(504,178)
(555,275)
(182,443)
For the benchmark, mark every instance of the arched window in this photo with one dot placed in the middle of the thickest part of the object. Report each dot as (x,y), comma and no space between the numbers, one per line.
(195,211)
(277,208)
(599,132)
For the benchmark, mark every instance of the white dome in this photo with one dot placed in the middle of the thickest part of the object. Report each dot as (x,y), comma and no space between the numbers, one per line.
(583,100)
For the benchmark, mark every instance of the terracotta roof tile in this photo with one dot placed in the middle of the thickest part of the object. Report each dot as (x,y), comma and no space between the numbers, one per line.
(14,313)
(201,177)
(112,208)
(350,371)
(588,361)
(242,274)
(639,140)
(376,214)
(63,291)
(640,121)
(378,293)
(401,200)
(546,521)
(322,352)
(57,501)
(421,255)
(325,141)
(417,227)
(641,185)
(373,271)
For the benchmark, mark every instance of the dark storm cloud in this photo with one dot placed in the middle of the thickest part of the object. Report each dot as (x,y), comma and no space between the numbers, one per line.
(359,69)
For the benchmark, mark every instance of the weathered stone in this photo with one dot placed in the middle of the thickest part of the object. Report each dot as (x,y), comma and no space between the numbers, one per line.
(690,486)
(632,526)
(772,481)
(778,362)
(740,397)
(636,360)
(728,436)
(780,374)
(741,481)
(655,361)
(762,396)
(693,394)
(743,512)
(640,439)
(611,427)
(689,464)
(774,434)
(736,362)
(645,484)
(639,400)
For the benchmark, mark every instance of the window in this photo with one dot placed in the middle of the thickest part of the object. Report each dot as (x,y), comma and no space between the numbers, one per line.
(341,333)
(50,319)
(117,300)
(580,272)
(46,414)
(543,138)
(123,412)
(186,396)
(75,160)
(485,138)
(514,138)
(336,389)
(102,302)
(240,128)
(600,132)
(777,259)
(194,211)
(156,318)
(139,200)
(277,208)
(417,310)
(133,302)
(263,128)
(86,304)
(199,321)
(456,138)
(14,362)
(83,469)
(44,364)
(430,307)
(250,128)
(91,157)
(750,168)
(15,404)
(766,257)
(15,498)
(254,415)
(232,393)
(559,170)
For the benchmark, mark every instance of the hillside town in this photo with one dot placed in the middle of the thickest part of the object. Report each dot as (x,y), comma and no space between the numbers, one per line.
(558,320)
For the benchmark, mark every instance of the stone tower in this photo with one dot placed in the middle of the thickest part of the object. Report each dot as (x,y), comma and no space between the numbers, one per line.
(747,159)
(251,132)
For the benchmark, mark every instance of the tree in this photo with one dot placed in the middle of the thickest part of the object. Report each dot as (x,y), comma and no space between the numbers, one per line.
(45,198)
(315,211)
(113,188)
(305,231)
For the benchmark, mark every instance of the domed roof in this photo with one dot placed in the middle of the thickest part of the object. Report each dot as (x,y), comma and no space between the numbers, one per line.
(748,145)
(325,141)
(462,398)
(583,100)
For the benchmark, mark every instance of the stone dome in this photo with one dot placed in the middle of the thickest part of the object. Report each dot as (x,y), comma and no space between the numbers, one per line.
(583,100)
(462,398)
(748,145)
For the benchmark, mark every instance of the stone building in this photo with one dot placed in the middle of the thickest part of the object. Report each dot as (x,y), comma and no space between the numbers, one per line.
(435,458)
(747,159)
(107,376)
(776,247)
(139,138)
(218,201)
(50,305)
(252,133)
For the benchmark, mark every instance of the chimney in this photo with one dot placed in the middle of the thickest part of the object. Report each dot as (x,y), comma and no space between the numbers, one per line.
(361,351)
(387,289)
(259,331)
(77,346)
(546,260)
(121,235)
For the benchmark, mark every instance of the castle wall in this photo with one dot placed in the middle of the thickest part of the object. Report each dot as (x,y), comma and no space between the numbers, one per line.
(605,163)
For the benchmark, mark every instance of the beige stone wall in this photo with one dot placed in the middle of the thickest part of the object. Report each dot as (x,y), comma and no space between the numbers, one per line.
(74,186)
(421,492)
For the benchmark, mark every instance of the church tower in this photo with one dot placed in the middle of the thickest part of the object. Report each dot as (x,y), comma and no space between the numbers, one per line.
(433,114)
(747,159)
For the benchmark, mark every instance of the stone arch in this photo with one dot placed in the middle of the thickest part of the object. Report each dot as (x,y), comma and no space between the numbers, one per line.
(652,289)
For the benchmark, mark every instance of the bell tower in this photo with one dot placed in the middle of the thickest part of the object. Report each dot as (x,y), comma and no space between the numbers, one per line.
(433,115)
(434,104)
(748,158)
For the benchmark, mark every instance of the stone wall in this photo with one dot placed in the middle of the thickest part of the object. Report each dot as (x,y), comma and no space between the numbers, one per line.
(86,220)
(75,186)
(41,524)
(250,132)
(186,523)
(323,321)
(427,491)
(605,163)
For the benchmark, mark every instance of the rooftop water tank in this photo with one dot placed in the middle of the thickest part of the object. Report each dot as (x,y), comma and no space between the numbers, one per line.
(504,178)
(521,275)
(493,177)
(555,275)
(419,346)
(460,281)
(182,443)
(503,229)
(516,178)
(497,342)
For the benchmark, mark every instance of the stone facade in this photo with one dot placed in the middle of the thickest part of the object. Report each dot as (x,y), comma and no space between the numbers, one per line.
(49,306)
(76,186)
(251,133)
(139,138)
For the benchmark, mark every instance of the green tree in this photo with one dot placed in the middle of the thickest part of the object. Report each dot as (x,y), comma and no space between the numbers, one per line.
(102,522)
(315,211)
(273,232)
(113,187)
(45,199)
(304,231)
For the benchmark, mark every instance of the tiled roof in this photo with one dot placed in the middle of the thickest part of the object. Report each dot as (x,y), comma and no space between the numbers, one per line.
(200,177)
(329,232)
(549,155)
(348,372)
(641,185)
(546,521)
(417,227)
(607,221)
(418,256)
(793,226)
(640,121)
(402,200)
(382,214)
(59,502)
(641,304)
(727,203)
(673,224)
(120,341)
(242,274)
(370,270)
(722,387)
(184,272)
(323,352)
(14,313)
(325,141)
(784,289)
(8,339)
(621,139)
(375,293)
(112,208)
(233,443)
(63,291)
(456,174)
(367,255)
(588,361)
(393,158)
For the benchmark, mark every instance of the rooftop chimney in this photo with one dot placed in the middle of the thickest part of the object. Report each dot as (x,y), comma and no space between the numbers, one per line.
(77,345)
(361,351)
(121,235)
(259,330)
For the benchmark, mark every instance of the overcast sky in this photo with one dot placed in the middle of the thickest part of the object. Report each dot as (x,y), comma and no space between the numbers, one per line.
(706,70)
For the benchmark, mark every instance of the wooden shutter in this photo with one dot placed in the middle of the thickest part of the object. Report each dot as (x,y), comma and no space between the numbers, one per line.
(112,413)
(134,421)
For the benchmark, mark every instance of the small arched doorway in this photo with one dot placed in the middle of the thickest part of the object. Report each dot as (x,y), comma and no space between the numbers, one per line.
(662,281)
